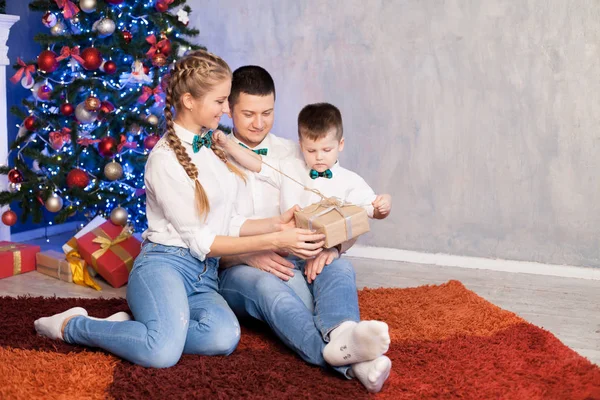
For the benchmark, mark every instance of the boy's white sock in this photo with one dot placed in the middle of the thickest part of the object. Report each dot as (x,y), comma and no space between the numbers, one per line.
(373,374)
(117,317)
(353,342)
(51,327)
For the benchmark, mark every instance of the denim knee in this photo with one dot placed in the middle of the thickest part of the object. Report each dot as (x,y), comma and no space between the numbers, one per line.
(160,356)
(342,266)
(226,341)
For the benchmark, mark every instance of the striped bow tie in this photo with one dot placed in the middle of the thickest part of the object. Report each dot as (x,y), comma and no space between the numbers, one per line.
(325,174)
(200,141)
(262,152)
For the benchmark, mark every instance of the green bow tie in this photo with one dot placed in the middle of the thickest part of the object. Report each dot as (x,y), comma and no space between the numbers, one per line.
(262,152)
(325,174)
(200,141)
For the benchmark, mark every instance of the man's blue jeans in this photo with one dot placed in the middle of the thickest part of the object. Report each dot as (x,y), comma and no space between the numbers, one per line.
(251,292)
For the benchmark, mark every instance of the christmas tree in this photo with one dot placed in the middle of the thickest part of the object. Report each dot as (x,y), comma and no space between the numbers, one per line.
(95,109)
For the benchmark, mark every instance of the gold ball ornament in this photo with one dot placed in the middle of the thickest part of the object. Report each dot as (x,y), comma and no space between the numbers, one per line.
(54,203)
(113,171)
(59,29)
(159,60)
(92,103)
(87,6)
(118,216)
(152,119)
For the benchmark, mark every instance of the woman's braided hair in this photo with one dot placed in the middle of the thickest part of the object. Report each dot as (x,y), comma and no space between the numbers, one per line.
(196,73)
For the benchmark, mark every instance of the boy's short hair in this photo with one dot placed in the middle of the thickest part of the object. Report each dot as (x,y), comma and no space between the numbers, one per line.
(316,120)
(250,79)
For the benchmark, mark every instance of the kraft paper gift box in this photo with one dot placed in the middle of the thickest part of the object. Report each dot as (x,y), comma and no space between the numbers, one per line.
(111,250)
(54,263)
(16,258)
(338,222)
(68,268)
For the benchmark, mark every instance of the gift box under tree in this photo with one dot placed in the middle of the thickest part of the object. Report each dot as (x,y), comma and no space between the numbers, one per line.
(111,250)
(69,268)
(337,221)
(16,258)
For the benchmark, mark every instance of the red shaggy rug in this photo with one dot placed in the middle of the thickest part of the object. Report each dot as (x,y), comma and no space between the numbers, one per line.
(447,342)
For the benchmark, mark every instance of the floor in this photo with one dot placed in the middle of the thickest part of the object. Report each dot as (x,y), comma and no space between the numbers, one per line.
(567,307)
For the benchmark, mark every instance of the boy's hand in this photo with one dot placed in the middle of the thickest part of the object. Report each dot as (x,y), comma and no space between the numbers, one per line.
(314,266)
(382,205)
(220,138)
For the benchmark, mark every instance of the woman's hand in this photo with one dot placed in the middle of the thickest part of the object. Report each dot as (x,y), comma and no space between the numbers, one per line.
(220,139)
(303,243)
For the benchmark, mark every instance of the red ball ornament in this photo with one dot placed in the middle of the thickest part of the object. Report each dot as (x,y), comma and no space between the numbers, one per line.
(115,2)
(151,141)
(127,36)
(107,107)
(44,92)
(107,146)
(110,67)
(15,176)
(78,178)
(29,123)
(92,59)
(67,109)
(161,6)
(9,218)
(146,69)
(47,61)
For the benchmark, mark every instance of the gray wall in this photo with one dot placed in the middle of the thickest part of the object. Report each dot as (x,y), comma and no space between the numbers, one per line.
(481,118)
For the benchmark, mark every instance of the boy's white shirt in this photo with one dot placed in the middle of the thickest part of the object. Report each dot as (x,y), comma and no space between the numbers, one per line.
(259,198)
(171,200)
(344,184)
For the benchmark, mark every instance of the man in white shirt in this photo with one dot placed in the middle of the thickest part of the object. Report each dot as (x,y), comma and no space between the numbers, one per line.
(252,109)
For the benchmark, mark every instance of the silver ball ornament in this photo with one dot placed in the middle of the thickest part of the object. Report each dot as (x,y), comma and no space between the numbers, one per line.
(83,115)
(118,216)
(14,187)
(105,27)
(54,203)
(87,6)
(113,171)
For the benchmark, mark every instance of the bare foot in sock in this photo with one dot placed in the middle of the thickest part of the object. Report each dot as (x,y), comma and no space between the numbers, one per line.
(353,342)
(51,327)
(373,374)
(117,317)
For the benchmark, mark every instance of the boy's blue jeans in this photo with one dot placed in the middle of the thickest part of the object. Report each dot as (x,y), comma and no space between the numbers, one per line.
(177,309)
(251,292)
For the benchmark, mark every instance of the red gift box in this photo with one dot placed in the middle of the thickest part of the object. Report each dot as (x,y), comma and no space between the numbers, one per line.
(111,250)
(17,258)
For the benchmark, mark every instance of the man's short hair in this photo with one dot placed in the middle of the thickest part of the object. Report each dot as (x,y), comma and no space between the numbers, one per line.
(253,80)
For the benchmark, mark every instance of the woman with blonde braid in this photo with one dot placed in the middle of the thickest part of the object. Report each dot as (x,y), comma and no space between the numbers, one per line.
(191,190)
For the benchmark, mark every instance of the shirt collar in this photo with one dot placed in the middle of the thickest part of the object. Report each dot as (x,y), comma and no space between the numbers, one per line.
(184,134)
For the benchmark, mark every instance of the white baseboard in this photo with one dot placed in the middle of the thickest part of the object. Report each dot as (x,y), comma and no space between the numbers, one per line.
(42,232)
(448,260)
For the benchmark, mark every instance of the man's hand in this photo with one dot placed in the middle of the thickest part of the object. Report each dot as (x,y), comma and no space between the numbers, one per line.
(382,205)
(314,266)
(287,219)
(271,262)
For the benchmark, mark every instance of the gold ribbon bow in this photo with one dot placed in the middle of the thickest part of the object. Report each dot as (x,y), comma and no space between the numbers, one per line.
(79,271)
(106,242)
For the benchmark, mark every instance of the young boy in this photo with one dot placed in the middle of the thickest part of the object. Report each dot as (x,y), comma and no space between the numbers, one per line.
(320,132)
